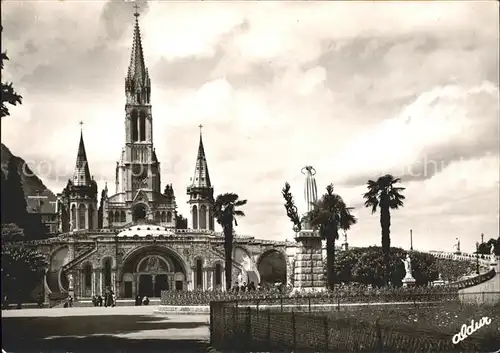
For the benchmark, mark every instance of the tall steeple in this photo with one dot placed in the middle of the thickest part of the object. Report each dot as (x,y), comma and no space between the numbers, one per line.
(201,192)
(78,200)
(81,175)
(137,82)
(201,177)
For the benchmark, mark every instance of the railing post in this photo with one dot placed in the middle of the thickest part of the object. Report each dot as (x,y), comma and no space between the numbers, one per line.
(309,303)
(269,326)
(338,302)
(257,305)
(249,326)
(281,303)
(327,333)
(294,331)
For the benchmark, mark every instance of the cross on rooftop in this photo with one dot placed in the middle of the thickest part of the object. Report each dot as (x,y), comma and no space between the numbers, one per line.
(200,126)
(136,7)
(81,125)
(38,197)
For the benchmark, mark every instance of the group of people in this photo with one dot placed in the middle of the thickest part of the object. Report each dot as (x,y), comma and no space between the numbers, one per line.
(141,300)
(108,300)
(244,287)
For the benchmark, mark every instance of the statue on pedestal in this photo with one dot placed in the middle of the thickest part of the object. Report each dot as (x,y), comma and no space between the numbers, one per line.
(457,246)
(71,283)
(407,263)
(493,257)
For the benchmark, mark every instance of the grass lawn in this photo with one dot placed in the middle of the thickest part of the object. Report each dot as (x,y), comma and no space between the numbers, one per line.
(118,329)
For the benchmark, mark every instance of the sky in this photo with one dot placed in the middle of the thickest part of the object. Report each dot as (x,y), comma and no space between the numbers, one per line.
(356,89)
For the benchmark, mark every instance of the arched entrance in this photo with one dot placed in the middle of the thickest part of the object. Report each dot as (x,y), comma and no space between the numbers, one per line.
(139,213)
(272,268)
(153,272)
(149,270)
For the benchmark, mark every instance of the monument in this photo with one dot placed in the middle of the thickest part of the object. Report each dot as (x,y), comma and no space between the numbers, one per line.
(457,247)
(308,270)
(408,280)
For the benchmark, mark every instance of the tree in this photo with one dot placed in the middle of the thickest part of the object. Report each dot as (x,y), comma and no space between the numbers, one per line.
(11,231)
(329,215)
(291,209)
(22,270)
(485,248)
(224,209)
(181,222)
(384,194)
(9,94)
(366,265)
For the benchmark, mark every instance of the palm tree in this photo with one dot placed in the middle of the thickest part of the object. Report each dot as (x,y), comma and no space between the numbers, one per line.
(385,195)
(329,215)
(224,209)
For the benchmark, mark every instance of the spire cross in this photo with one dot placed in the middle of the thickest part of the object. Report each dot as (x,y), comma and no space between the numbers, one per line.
(136,7)
(81,125)
(201,127)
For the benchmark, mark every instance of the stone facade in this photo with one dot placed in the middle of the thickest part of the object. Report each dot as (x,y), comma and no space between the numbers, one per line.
(117,259)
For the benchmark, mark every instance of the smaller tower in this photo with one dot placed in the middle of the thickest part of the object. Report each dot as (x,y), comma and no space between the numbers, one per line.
(79,197)
(201,192)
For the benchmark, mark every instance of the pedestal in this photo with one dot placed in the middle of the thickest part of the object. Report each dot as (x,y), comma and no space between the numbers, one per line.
(308,270)
(408,282)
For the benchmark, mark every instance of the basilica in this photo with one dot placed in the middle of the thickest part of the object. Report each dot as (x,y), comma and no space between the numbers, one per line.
(127,240)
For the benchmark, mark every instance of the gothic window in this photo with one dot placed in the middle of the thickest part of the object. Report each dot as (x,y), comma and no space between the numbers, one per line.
(195,217)
(210,219)
(107,272)
(199,273)
(134,126)
(203,217)
(117,216)
(73,217)
(87,276)
(169,217)
(81,216)
(218,274)
(111,218)
(157,216)
(123,217)
(142,124)
(91,217)
(163,216)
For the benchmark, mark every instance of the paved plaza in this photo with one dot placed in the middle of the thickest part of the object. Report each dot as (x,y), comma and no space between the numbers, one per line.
(100,329)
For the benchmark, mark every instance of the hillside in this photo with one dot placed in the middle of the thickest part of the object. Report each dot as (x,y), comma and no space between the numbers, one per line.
(31,183)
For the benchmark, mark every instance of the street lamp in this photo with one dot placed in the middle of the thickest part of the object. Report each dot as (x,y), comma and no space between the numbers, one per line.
(477,257)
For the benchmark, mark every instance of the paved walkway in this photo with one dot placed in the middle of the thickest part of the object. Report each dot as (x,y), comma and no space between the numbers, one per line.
(100,329)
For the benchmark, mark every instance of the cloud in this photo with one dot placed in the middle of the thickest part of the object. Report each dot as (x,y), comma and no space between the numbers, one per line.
(276,87)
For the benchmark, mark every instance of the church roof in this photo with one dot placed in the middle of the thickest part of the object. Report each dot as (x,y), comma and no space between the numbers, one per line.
(81,175)
(201,177)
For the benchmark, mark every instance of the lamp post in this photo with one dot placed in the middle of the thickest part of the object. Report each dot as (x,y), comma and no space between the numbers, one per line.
(477,257)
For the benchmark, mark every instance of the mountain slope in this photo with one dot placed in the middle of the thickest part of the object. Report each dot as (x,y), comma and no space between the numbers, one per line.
(32,185)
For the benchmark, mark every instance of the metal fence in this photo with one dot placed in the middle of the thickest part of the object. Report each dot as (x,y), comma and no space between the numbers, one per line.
(285,325)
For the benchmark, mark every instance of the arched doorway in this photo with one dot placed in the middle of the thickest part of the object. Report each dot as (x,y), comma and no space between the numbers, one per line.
(151,269)
(272,268)
(154,271)
(139,213)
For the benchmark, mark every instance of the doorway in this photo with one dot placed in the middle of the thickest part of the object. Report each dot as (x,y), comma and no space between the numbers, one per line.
(128,289)
(146,285)
(161,283)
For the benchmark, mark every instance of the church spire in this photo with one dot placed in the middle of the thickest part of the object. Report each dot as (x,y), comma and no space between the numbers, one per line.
(201,177)
(81,175)
(137,82)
